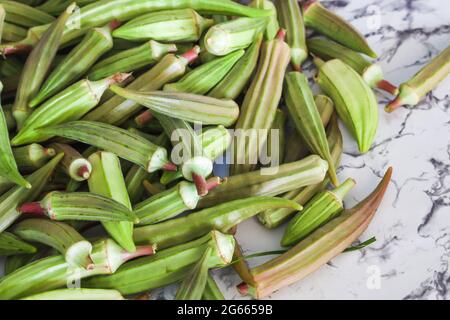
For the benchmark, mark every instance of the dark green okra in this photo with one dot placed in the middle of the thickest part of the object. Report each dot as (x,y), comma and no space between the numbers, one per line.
(10,67)
(10,245)
(32,157)
(25,15)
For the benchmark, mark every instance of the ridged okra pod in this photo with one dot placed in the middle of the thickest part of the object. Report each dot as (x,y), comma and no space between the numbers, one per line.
(77,295)
(322,20)
(291,19)
(212,290)
(277,138)
(58,235)
(73,164)
(428,78)
(233,35)
(37,65)
(24,15)
(272,24)
(82,206)
(260,104)
(107,180)
(306,116)
(130,60)
(54,272)
(123,143)
(15,262)
(2,21)
(32,157)
(317,249)
(10,245)
(168,266)
(355,101)
(11,200)
(184,25)
(77,62)
(12,33)
(69,105)
(55,7)
(370,72)
(222,218)
(325,206)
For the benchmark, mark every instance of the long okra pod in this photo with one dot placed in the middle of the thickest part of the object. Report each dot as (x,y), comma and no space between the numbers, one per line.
(272,24)
(73,164)
(77,294)
(212,290)
(10,244)
(32,157)
(25,15)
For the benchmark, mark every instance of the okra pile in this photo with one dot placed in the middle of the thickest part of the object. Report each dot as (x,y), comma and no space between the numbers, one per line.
(114,112)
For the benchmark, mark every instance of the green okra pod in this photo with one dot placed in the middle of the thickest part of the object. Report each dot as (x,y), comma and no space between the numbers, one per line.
(123,143)
(10,67)
(212,290)
(130,60)
(25,15)
(12,33)
(291,19)
(11,200)
(276,139)
(319,18)
(272,24)
(10,245)
(260,104)
(233,35)
(134,179)
(325,206)
(77,294)
(184,25)
(107,180)
(222,218)
(37,65)
(81,206)
(55,7)
(428,78)
(168,266)
(69,105)
(2,21)
(32,157)
(60,236)
(15,262)
(10,121)
(355,102)
(73,164)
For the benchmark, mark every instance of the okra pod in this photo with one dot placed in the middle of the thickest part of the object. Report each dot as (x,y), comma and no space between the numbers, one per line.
(322,20)
(73,164)
(233,35)
(260,104)
(25,15)
(32,157)
(212,290)
(10,67)
(428,78)
(277,137)
(184,25)
(10,245)
(134,180)
(272,24)
(2,21)
(77,294)
(131,60)
(12,33)
(10,121)
(15,262)
(54,7)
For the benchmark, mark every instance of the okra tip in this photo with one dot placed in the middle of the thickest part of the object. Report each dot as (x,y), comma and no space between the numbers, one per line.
(14,48)
(245,289)
(84,172)
(394,105)
(31,208)
(170,167)
(200,184)
(281,34)
(192,54)
(388,87)
(144,118)
(141,251)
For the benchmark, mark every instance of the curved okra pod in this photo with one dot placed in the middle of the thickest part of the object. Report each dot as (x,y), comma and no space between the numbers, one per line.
(77,294)
(184,25)
(233,35)
(37,65)
(185,106)
(60,236)
(32,157)
(428,78)
(235,81)
(325,206)
(291,19)
(272,24)
(322,20)
(69,105)
(131,60)
(74,164)
(10,245)
(54,272)
(11,200)
(168,266)
(316,249)
(306,116)
(291,176)
(260,104)
(212,290)
(82,206)
(222,218)
(77,62)
(123,143)
(107,180)
(24,15)
(355,102)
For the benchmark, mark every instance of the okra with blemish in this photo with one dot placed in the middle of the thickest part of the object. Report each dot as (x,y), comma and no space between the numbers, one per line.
(32,157)
(73,164)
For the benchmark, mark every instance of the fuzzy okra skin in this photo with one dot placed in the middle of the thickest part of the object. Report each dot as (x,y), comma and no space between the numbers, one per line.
(222,218)
(74,164)
(77,295)
(24,15)
(123,143)
(428,78)
(260,104)
(168,266)
(10,245)
(184,25)
(317,249)
(355,101)
(319,18)
(11,200)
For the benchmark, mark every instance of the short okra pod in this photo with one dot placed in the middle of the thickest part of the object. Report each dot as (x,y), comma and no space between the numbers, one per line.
(25,15)
(291,19)
(212,290)
(77,62)
(73,164)
(81,206)
(428,78)
(10,245)
(272,24)
(184,25)
(233,35)
(319,18)
(77,294)
(32,157)
(131,60)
